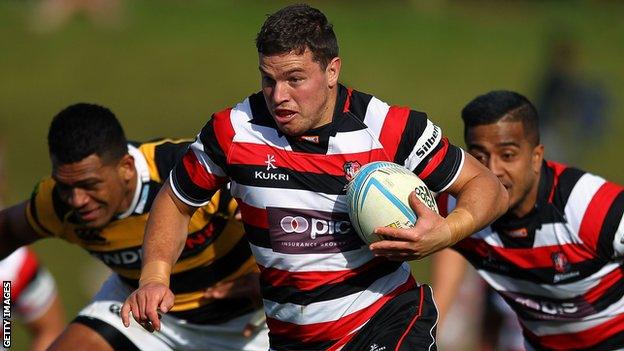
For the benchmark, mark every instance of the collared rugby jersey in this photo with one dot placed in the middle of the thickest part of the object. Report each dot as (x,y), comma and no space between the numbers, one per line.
(320,282)
(215,248)
(559,267)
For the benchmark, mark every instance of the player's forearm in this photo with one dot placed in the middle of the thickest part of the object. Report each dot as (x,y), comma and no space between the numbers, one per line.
(15,231)
(480,201)
(165,235)
(448,270)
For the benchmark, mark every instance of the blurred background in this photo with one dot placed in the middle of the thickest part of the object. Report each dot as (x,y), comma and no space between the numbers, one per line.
(164,66)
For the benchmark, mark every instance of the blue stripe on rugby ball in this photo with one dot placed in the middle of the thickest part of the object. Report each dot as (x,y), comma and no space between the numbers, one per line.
(407,212)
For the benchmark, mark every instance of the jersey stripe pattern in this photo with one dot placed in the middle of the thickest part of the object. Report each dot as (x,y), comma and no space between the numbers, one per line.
(320,283)
(32,286)
(215,248)
(560,267)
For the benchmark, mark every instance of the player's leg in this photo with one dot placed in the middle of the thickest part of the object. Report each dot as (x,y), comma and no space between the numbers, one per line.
(80,337)
(408,322)
(98,327)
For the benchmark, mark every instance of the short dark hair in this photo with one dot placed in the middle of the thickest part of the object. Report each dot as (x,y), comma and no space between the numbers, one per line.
(81,130)
(295,28)
(498,104)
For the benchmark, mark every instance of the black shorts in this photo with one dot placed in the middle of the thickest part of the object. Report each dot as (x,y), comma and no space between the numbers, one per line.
(408,322)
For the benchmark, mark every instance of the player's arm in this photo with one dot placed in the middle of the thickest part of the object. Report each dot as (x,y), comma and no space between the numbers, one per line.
(15,231)
(448,269)
(165,235)
(481,198)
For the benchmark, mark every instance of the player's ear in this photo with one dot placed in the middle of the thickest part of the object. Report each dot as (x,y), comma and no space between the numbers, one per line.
(126,167)
(537,157)
(333,71)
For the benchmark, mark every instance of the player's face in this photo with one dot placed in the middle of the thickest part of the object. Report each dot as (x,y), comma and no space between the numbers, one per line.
(96,190)
(300,94)
(504,149)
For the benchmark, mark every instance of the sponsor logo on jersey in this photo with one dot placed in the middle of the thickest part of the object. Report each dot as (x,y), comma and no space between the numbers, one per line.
(375,347)
(430,142)
(127,258)
(549,309)
(350,168)
(295,231)
(270,162)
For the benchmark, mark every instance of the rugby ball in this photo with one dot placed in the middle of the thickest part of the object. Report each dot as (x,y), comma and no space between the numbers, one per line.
(377,196)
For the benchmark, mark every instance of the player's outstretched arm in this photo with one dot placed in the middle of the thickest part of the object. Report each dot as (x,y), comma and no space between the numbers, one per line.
(14,229)
(481,198)
(165,235)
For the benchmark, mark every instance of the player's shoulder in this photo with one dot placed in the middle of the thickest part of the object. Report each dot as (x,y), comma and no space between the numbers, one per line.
(162,154)
(46,212)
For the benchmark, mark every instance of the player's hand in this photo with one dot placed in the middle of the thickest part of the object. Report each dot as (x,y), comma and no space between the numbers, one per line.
(246,286)
(144,303)
(430,234)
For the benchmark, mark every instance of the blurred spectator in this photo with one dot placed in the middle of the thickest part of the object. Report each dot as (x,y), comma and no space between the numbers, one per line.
(571,106)
(50,15)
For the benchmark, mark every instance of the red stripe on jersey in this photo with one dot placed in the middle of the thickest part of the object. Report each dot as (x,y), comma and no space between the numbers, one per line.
(393,128)
(197,173)
(558,168)
(420,308)
(223,129)
(311,280)
(347,104)
(435,160)
(442,202)
(257,154)
(27,269)
(580,340)
(596,212)
(528,258)
(253,215)
(605,283)
(337,329)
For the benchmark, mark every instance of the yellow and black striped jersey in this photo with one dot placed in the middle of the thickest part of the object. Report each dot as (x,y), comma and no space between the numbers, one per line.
(215,248)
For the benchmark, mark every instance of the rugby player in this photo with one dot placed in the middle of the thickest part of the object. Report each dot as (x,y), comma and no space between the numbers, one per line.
(99,197)
(34,298)
(556,256)
(289,150)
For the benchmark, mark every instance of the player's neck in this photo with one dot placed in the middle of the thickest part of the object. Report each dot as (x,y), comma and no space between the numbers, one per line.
(129,196)
(328,113)
(528,202)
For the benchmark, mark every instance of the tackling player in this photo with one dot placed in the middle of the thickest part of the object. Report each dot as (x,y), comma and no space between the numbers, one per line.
(556,255)
(99,196)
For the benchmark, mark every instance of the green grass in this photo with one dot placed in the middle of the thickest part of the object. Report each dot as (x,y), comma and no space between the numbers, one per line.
(171,64)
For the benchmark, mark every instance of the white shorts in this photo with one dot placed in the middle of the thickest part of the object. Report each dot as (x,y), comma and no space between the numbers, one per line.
(103,315)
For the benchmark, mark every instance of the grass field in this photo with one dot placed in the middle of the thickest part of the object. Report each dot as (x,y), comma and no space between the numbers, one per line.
(171,64)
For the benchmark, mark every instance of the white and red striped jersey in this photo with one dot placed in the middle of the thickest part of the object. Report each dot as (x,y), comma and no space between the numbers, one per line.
(32,287)
(560,267)
(320,282)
